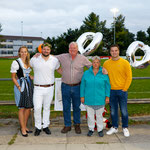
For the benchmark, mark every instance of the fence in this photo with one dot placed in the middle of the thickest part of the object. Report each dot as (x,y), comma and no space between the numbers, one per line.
(130,101)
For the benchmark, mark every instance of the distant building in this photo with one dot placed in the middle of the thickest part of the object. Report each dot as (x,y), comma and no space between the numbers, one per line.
(9,45)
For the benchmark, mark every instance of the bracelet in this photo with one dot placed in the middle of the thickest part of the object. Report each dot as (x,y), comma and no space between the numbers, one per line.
(18,86)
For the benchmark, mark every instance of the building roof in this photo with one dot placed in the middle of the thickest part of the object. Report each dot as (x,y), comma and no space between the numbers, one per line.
(10,37)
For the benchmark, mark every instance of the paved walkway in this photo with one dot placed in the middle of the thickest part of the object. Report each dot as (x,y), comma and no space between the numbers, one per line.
(11,139)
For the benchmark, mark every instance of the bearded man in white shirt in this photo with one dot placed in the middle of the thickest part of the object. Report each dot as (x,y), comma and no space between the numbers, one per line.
(44,68)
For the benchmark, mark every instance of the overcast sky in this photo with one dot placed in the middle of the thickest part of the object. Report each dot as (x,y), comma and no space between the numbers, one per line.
(52,18)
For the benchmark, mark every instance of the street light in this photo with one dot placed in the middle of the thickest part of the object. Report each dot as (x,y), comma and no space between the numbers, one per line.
(22,31)
(114,11)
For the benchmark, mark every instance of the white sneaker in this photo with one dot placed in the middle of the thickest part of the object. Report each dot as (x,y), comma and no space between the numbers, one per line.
(112,130)
(126,132)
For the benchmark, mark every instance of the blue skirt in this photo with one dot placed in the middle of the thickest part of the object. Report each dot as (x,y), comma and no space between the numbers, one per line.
(24,99)
(17,94)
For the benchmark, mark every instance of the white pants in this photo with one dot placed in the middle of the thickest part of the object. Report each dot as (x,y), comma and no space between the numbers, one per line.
(42,96)
(91,118)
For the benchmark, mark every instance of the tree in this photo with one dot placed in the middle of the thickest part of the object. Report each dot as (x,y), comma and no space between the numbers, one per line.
(52,41)
(148,36)
(0,27)
(0,35)
(93,24)
(61,43)
(141,36)
(123,37)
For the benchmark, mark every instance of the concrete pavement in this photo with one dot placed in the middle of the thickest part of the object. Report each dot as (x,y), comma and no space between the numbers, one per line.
(9,133)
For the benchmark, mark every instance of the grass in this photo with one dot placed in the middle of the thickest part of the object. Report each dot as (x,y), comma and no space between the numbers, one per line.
(102,143)
(12,140)
(138,109)
(141,72)
(8,111)
(5,68)
(133,122)
(6,90)
(11,111)
(5,65)
(138,88)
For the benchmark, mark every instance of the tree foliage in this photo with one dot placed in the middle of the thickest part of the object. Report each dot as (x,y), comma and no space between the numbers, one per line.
(0,35)
(92,23)
(144,36)
(141,36)
(0,27)
(123,36)
(148,36)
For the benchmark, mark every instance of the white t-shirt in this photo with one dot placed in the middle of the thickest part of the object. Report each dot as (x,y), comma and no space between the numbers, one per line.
(44,70)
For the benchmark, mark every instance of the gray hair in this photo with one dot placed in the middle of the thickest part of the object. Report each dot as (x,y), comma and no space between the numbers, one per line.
(96,57)
(75,43)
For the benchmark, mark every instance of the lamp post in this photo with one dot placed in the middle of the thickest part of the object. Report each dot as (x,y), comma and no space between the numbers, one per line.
(114,11)
(22,32)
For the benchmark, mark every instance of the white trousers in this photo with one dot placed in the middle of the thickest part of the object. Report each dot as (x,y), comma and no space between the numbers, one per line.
(91,118)
(42,96)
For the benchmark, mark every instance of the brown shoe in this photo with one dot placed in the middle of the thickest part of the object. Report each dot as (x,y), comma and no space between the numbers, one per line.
(66,129)
(77,128)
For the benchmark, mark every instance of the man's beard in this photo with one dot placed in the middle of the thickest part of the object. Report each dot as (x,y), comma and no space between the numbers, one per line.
(45,55)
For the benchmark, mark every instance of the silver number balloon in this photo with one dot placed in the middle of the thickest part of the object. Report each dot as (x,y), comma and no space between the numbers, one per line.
(130,53)
(82,40)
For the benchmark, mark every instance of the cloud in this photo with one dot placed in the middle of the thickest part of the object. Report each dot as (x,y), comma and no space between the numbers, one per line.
(52,18)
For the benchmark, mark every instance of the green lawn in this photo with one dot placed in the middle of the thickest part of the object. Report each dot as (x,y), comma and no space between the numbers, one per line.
(8,111)
(138,88)
(6,63)
(5,68)
(6,90)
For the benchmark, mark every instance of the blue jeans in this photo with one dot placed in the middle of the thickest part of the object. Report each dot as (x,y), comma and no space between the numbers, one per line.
(119,97)
(71,94)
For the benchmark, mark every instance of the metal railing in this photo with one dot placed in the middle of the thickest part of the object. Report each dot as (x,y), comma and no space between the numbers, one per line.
(134,78)
(130,101)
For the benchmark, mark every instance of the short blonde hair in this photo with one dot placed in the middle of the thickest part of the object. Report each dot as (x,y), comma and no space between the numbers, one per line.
(96,57)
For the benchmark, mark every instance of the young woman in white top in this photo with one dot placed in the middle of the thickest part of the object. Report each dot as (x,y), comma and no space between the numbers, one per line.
(23,88)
